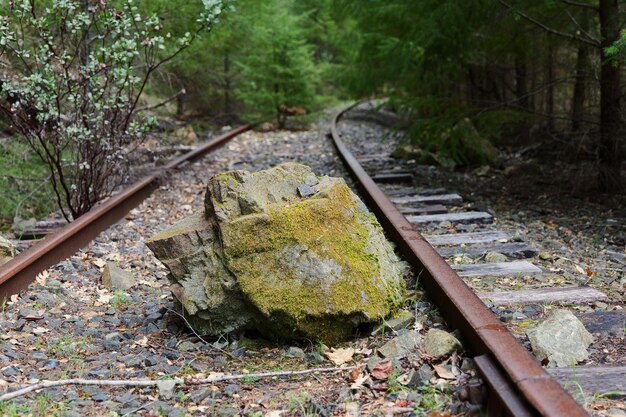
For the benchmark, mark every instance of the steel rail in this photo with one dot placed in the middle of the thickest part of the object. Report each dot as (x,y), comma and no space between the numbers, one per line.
(20,271)
(515,378)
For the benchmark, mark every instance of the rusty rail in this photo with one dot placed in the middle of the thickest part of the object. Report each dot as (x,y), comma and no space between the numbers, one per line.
(16,274)
(517,382)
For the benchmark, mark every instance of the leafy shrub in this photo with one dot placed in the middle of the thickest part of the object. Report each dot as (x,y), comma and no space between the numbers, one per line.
(74,77)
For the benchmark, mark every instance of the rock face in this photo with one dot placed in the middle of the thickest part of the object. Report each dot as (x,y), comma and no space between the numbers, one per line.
(264,254)
(561,339)
(7,250)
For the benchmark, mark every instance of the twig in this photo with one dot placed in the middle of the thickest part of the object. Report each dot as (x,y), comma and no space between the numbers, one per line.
(200,337)
(182,92)
(152,383)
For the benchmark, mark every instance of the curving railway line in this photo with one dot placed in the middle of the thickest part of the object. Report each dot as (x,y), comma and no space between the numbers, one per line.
(517,383)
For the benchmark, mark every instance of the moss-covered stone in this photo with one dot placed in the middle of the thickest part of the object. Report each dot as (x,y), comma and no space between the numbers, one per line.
(312,267)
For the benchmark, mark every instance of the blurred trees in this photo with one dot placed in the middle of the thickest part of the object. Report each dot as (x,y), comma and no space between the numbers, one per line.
(512,67)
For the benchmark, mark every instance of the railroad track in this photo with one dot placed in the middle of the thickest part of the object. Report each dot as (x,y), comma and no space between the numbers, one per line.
(16,274)
(518,384)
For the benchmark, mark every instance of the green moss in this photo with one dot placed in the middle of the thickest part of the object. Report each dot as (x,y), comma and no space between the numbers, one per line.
(329,226)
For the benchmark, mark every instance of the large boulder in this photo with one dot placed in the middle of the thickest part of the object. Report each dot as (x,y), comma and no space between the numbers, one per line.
(282,251)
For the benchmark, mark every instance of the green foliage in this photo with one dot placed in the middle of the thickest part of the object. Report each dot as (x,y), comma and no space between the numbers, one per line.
(279,69)
(77,73)
(23,183)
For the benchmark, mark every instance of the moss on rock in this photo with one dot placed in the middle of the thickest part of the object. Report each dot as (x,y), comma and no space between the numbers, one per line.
(312,267)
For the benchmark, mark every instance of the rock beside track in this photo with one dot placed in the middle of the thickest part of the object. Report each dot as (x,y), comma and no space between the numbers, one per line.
(561,339)
(7,250)
(265,255)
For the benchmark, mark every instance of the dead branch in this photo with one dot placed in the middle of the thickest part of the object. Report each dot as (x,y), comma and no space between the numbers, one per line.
(153,383)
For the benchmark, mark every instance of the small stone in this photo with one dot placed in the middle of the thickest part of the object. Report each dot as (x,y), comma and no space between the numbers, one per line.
(613,412)
(401,345)
(112,341)
(166,388)
(601,305)
(232,389)
(10,371)
(294,352)
(239,352)
(305,190)
(314,357)
(7,250)
(50,364)
(39,356)
(467,365)
(419,377)
(402,320)
(561,339)
(495,257)
(116,278)
(171,354)
(439,343)
(100,397)
(199,395)
(187,346)
(227,411)
(152,360)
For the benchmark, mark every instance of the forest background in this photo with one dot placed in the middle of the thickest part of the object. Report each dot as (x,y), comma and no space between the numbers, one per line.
(467,78)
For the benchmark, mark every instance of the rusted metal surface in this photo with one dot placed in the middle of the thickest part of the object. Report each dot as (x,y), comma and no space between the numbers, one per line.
(482,330)
(16,274)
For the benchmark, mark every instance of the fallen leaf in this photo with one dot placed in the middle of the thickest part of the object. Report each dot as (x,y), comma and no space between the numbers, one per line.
(443,372)
(382,370)
(40,330)
(579,269)
(358,383)
(354,374)
(340,356)
(99,262)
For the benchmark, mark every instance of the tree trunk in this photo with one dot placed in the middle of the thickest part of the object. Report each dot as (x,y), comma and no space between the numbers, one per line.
(227,87)
(609,158)
(550,90)
(580,86)
(521,82)
(578,100)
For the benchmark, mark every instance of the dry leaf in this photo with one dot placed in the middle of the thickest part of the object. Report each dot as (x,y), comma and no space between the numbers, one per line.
(340,356)
(99,262)
(382,370)
(42,278)
(358,383)
(354,374)
(443,372)
(40,330)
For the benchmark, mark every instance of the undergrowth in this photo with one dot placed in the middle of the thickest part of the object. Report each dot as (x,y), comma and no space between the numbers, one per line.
(24,185)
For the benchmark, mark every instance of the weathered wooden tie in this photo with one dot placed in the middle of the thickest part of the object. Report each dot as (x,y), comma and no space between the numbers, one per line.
(497,269)
(467,238)
(593,380)
(605,322)
(449,199)
(419,210)
(387,178)
(515,250)
(560,295)
(464,217)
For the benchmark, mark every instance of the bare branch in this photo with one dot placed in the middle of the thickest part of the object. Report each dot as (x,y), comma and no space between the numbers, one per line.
(548,29)
(583,5)
(153,383)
